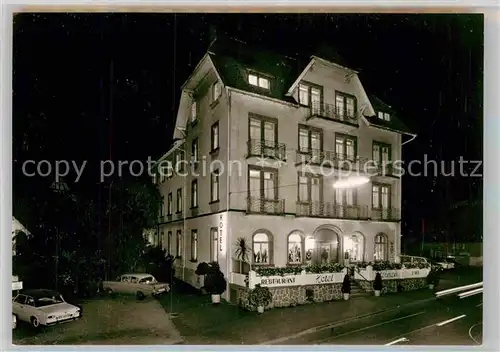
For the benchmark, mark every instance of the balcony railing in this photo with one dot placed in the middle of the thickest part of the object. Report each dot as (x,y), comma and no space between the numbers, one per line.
(332,159)
(332,210)
(386,169)
(331,112)
(266,149)
(256,205)
(386,214)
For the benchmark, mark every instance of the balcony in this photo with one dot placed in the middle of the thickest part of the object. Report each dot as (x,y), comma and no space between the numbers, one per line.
(257,205)
(324,114)
(386,214)
(386,169)
(266,149)
(332,210)
(330,159)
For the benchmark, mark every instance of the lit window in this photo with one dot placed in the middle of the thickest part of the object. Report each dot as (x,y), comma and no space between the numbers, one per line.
(216,91)
(294,249)
(194,150)
(380,250)
(214,189)
(194,194)
(179,200)
(169,204)
(169,242)
(179,244)
(194,114)
(215,136)
(258,81)
(261,248)
(214,233)
(194,245)
(384,116)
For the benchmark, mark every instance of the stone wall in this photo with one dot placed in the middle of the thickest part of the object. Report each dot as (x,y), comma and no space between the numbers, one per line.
(291,296)
(389,286)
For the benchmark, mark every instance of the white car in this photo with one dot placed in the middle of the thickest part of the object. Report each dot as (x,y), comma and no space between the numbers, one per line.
(43,307)
(446,264)
(140,284)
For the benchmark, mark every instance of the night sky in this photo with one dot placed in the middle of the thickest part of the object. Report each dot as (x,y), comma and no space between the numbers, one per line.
(73,71)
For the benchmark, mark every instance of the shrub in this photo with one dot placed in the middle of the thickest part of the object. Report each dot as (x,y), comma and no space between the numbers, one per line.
(260,296)
(377,284)
(346,284)
(215,283)
(202,269)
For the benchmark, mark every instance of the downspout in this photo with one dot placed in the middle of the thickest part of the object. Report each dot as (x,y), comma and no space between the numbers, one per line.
(228,185)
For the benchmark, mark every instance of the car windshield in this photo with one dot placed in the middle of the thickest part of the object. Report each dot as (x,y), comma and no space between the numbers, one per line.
(46,298)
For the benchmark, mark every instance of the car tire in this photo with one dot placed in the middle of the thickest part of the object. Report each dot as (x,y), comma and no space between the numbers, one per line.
(140,296)
(35,322)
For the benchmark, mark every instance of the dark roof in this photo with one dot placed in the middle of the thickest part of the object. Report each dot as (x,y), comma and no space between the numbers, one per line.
(233,59)
(40,292)
(395,124)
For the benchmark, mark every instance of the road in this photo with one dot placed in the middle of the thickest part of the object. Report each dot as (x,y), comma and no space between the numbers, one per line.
(443,321)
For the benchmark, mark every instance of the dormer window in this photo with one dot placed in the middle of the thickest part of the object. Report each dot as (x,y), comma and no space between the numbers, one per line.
(194,111)
(258,80)
(384,116)
(216,91)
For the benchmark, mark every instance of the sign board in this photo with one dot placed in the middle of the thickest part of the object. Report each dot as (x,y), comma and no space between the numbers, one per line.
(17,285)
(221,231)
(295,280)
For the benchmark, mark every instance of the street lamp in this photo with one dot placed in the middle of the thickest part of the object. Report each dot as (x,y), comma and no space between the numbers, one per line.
(351,182)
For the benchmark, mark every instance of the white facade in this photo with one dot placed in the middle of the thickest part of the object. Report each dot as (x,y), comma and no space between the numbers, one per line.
(282,222)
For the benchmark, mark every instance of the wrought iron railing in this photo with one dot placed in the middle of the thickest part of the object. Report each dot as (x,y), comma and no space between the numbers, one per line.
(332,210)
(386,168)
(342,161)
(331,112)
(266,149)
(387,214)
(265,206)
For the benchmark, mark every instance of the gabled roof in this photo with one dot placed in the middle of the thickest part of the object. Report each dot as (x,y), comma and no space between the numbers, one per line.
(395,124)
(233,60)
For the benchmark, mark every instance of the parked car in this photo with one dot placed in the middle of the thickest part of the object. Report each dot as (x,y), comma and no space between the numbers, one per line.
(445,263)
(140,284)
(43,307)
(414,260)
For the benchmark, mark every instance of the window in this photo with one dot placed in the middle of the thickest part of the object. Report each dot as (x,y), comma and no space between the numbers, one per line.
(216,91)
(179,200)
(310,188)
(345,196)
(160,240)
(310,95)
(345,105)
(169,242)
(179,244)
(178,162)
(354,246)
(384,116)
(214,186)
(214,236)
(345,147)
(261,248)
(380,250)
(194,194)
(215,136)
(311,142)
(264,130)
(169,204)
(258,80)
(194,111)
(162,208)
(167,171)
(381,196)
(194,151)
(194,245)
(263,183)
(294,248)
(381,153)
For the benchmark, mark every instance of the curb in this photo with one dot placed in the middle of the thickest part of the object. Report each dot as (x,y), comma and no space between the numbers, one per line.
(342,322)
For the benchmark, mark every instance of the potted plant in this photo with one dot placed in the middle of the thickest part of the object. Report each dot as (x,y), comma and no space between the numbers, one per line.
(215,283)
(377,284)
(346,287)
(242,252)
(260,297)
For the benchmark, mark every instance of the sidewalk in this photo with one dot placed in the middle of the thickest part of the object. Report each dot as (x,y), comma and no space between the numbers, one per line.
(200,322)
